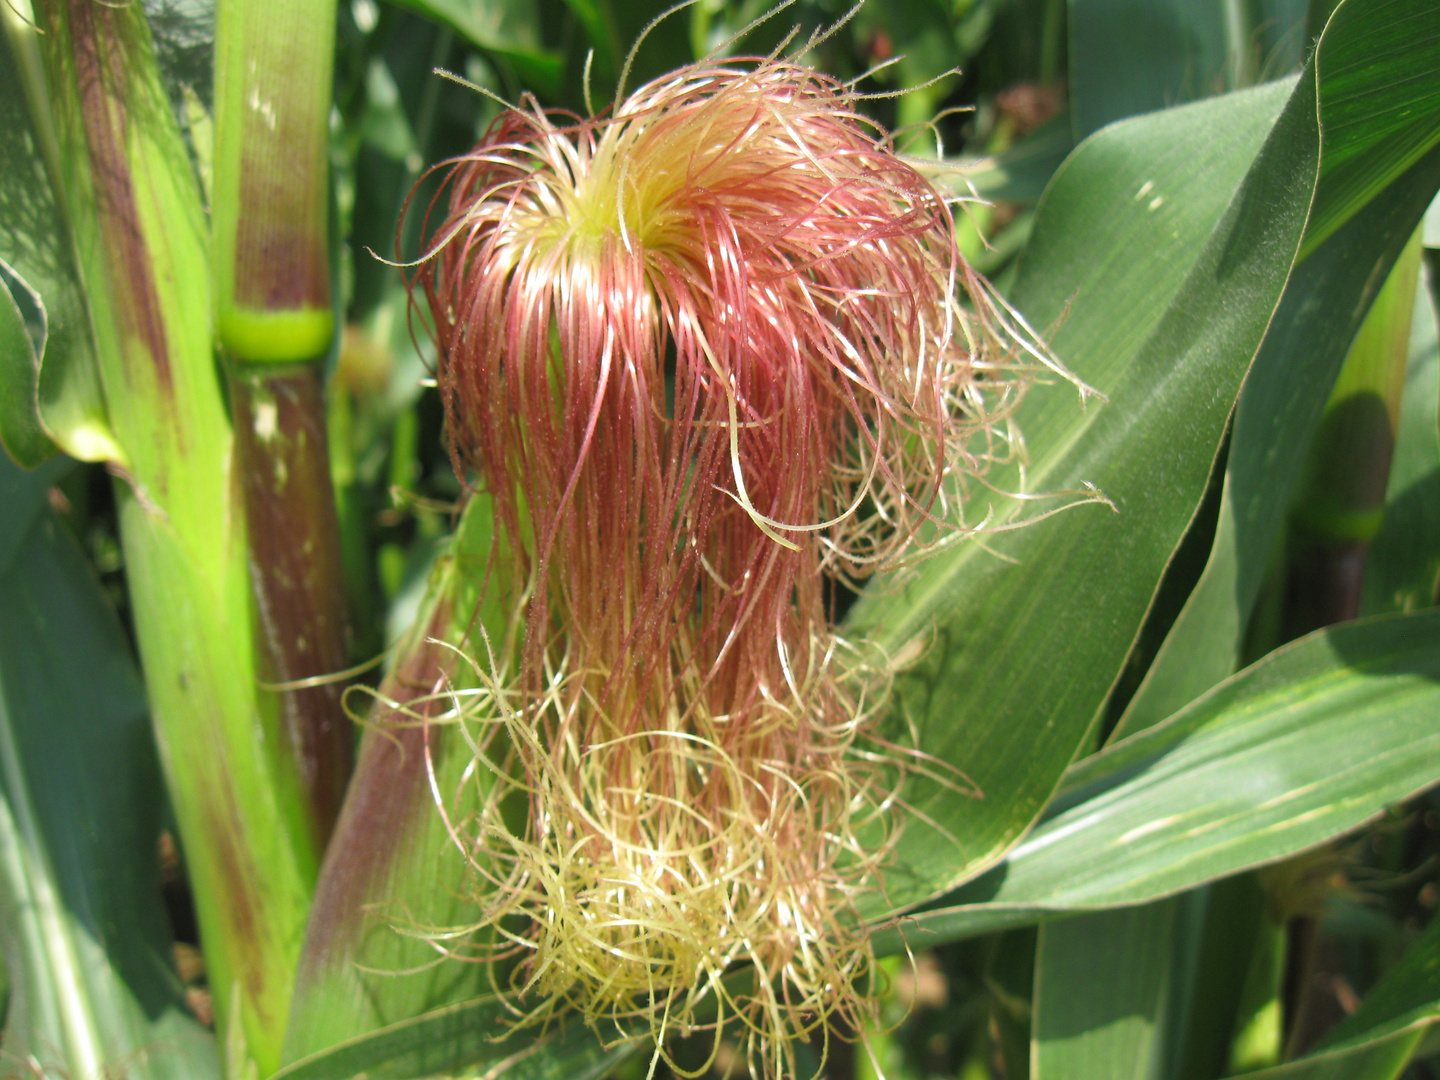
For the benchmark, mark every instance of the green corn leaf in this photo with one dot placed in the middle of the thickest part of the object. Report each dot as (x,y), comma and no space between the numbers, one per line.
(1408,996)
(1220,931)
(1019,636)
(1342,495)
(22,341)
(1384,1058)
(1127,59)
(1163,333)
(51,389)
(1101,986)
(1306,342)
(1370,144)
(1312,741)
(93,991)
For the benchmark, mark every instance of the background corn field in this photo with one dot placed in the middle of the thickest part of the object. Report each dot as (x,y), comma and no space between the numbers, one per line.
(1203,716)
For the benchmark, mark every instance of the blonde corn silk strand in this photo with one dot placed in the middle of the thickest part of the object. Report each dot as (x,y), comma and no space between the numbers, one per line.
(706,353)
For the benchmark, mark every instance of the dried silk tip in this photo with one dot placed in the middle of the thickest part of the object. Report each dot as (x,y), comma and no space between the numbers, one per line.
(706,354)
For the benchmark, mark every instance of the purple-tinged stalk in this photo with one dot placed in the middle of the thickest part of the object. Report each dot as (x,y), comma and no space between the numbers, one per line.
(274,62)
(707,354)
(274,65)
(136,221)
(391,861)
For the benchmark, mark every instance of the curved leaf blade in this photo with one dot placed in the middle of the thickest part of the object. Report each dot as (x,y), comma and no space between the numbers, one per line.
(1383,1059)
(1368,143)
(1030,627)
(1285,393)
(1312,741)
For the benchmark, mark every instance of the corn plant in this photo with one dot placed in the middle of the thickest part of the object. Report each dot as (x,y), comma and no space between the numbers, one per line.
(575,539)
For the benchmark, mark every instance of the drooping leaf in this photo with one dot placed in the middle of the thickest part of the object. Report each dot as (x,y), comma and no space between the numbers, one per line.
(1286,391)
(1370,144)
(1310,742)
(1021,635)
